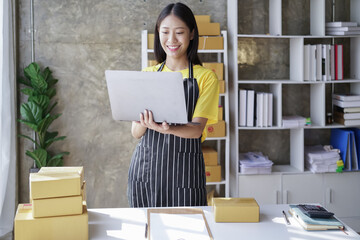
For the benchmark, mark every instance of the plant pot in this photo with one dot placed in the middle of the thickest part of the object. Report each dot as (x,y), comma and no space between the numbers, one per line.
(34,170)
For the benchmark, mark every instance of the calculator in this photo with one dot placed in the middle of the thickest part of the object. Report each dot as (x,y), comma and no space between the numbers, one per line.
(315,211)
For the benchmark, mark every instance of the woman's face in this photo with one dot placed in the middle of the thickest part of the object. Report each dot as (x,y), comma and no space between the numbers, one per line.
(174,37)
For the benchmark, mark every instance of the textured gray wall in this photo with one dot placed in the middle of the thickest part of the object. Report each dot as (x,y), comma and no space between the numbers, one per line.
(79,40)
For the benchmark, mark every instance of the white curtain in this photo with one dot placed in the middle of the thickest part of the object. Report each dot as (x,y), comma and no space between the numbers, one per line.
(7,117)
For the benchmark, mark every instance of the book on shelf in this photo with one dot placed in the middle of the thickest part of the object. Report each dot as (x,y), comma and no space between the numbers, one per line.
(312,62)
(339,66)
(347,116)
(347,109)
(259,109)
(307,62)
(270,109)
(319,60)
(332,62)
(242,107)
(250,108)
(344,104)
(346,122)
(309,223)
(341,24)
(342,33)
(344,29)
(265,110)
(346,97)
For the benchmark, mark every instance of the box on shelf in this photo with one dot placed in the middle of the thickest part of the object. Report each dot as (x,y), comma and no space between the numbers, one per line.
(210,156)
(83,190)
(216,130)
(236,210)
(56,228)
(221,86)
(208,29)
(52,184)
(220,113)
(211,43)
(213,173)
(150,39)
(152,63)
(217,68)
(202,18)
(61,206)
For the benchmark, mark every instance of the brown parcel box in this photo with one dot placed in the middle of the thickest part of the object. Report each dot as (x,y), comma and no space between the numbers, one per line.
(211,43)
(79,170)
(213,173)
(55,228)
(216,130)
(236,210)
(150,39)
(202,18)
(208,29)
(221,86)
(49,185)
(220,113)
(210,156)
(217,68)
(61,206)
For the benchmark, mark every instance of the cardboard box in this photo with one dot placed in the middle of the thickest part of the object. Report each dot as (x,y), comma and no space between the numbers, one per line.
(213,173)
(62,206)
(221,86)
(217,68)
(210,156)
(211,43)
(51,185)
(202,18)
(210,197)
(208,29)
(83,191)
(79,170)
(216,130)
(55,228)
(236,210)
(220,113)
(150,39)
(152,63)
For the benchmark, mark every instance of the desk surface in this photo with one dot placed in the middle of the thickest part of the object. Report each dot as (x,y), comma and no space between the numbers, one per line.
(129,223)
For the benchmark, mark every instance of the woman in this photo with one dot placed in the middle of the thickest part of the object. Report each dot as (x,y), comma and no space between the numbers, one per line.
(167,167)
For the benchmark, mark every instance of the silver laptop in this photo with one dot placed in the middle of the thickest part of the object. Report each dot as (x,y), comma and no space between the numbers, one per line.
(131,92)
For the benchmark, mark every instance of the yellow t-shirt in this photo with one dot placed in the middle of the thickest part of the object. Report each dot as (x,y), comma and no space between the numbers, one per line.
(208,101)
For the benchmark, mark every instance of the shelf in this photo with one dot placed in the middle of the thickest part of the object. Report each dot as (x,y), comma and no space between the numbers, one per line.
(288,81)
(223,182)
(215,138)
(291,36)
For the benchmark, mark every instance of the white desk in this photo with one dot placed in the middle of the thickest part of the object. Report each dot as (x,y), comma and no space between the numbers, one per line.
(129,223)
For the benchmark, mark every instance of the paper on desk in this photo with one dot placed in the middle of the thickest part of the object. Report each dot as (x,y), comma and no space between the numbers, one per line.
(178,226)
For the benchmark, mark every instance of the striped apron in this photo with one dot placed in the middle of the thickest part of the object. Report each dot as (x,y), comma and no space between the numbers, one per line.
(167,170)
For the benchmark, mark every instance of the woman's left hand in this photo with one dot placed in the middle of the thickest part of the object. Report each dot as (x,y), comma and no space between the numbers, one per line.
(147,120)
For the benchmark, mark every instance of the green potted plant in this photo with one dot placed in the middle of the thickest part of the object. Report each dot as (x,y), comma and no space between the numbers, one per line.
(37,114)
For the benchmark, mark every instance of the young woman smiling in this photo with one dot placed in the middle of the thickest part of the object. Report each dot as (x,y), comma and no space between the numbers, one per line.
(167,167)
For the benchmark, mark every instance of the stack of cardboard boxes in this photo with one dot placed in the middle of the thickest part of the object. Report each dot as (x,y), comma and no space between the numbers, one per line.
(209,33)
(57,208)
(212,168)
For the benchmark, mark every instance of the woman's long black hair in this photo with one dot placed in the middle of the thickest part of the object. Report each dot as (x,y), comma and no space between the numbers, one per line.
(183,12)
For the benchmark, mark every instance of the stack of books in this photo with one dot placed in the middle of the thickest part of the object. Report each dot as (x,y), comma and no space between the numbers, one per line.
(347,109)
(309,223)
(254,163)
(323,62)
(342,28)
(57,208)
(319,159)
(255,108)
(293,121)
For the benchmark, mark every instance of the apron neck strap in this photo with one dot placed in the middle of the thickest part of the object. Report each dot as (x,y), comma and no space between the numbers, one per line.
(190,69)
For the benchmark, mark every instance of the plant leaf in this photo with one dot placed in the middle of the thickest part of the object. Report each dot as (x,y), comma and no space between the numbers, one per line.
(31,112)
(32,71)
(39,155)
(51,92)
(51,108)
(30,125)
(45,123)
(50,141)
(56,157)
(29,138)
(24,81)
(27,91)
(41,100)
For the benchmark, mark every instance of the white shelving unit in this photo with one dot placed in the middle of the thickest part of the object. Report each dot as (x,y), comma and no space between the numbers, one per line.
(222,56)
(291,183)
